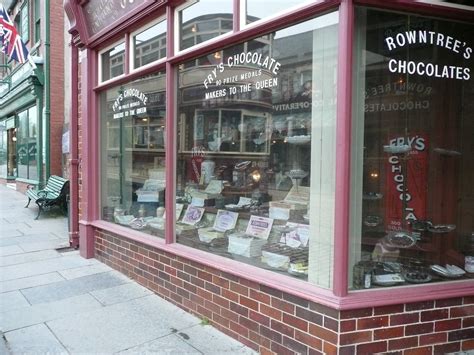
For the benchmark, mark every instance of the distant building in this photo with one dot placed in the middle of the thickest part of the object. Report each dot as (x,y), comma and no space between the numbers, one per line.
(32,99)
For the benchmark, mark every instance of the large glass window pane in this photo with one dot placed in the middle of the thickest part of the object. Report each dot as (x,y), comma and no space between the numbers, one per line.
(3,149)
(255,170)
(113,62)
(32,140)
(132,120)
(413,197)
(258,9)
(204,20)
(150,45)
(22,144)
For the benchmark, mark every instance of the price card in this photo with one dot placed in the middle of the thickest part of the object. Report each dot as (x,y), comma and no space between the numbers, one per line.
(193,215)
(259,227)
(297,237)
(225,220)
(179,210)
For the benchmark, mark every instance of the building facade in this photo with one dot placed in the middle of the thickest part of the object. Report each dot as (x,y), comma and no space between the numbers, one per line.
(298,174)
(31,109)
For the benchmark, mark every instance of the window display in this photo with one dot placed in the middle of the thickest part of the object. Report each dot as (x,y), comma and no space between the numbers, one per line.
(413,166)
(253,130)
(133,153)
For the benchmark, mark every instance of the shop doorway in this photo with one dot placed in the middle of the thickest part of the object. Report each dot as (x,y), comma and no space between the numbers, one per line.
(11,152)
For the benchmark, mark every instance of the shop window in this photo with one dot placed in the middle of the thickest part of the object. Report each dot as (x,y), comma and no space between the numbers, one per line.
(26,143)
(111,62)
(413,197)
(3,149)
(258,9)
(256,152)
(133,154)
(149,45)
(197,24)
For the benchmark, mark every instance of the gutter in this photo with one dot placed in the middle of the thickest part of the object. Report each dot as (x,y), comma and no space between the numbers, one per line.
(47,89)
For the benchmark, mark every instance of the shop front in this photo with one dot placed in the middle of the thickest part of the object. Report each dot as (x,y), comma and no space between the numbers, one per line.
(297,174)
(20,97)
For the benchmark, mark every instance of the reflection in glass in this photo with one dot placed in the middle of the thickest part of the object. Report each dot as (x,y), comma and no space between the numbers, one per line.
(256,149)
(112,62)
(197,25)
(413,165)
(259,9)
(150,45)
(133,154)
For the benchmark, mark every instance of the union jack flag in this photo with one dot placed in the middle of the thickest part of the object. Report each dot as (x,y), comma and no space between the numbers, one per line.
(10,41)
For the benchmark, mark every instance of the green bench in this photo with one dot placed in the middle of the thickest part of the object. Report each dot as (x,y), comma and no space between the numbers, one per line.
(53,194)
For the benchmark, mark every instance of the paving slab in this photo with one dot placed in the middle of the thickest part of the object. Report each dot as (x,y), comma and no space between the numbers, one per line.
(43,267)
(113,328)
(122,293)
(40,313)
(28,257)
(10,250)
(36,339)
(12,300)
(170,344)
(31,281)
(209,340)
(70,288)
(9,232)
(49,244)
(27,238)
(84,271)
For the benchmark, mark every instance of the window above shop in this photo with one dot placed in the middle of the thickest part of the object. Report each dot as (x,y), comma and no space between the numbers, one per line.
(200,21)
(112,62)
(148,44)
(255,10)
(24,23)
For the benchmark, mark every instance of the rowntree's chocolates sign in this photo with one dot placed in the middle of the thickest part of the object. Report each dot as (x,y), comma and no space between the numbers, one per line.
(420,37)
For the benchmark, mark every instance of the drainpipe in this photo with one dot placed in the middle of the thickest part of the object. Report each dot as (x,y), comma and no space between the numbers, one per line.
(47,88)
(74,146)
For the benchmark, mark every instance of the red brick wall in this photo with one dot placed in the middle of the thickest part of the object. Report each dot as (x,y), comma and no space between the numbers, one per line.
(57,85)
(271,321)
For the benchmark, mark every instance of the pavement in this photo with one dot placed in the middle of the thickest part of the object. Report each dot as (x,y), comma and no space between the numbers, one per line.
(53,301)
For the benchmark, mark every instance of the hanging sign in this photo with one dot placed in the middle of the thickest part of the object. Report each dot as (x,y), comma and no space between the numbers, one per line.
(417,37)
(406,178)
